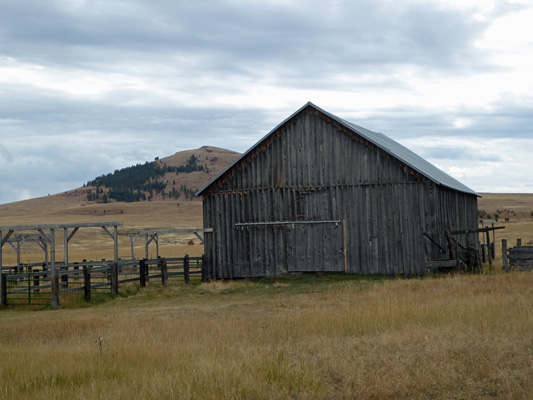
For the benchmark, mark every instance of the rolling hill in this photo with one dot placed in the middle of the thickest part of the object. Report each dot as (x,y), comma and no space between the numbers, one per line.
(160,212)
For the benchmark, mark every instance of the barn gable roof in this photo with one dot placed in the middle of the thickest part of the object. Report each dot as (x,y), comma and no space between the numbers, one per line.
(385,143)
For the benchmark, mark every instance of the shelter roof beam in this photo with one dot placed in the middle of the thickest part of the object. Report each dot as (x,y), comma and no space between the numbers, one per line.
(8,235)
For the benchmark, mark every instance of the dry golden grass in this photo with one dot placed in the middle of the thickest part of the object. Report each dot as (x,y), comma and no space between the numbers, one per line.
(305,337)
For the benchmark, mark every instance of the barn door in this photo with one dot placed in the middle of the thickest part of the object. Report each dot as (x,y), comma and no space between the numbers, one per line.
(265,250)
(315,247)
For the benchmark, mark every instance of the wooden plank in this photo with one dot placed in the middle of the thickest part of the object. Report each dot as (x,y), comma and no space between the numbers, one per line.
(441,264)
(86,283)
(505,263)
(59,226)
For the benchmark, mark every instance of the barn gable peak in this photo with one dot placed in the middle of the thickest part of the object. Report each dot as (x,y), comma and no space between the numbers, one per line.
(383,142)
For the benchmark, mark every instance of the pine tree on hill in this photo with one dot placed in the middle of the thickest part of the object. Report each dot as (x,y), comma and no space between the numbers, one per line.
(139,182)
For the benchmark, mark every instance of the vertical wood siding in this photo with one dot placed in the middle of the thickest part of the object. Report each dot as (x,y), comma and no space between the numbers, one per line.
(314,169)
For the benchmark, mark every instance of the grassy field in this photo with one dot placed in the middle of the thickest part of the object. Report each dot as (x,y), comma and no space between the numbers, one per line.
(305,336)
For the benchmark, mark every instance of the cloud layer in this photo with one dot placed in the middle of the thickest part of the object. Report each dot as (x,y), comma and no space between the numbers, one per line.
(90,86)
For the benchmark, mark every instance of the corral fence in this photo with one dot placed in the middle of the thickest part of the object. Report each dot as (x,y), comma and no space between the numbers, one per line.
(32,284)
(518,257)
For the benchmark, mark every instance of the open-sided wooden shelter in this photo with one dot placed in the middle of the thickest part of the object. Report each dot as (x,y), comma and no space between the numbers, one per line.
(319,193)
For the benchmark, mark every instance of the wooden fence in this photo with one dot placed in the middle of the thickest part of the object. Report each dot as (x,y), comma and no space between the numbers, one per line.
(32,284)
(518,257)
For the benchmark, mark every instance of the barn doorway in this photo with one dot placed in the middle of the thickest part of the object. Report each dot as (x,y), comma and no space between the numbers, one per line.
(277,247)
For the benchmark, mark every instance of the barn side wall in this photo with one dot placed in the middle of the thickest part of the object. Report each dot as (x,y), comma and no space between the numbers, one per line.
(313,169)
(449,210)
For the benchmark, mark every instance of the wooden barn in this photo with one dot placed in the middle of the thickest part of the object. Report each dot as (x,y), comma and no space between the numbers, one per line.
(319,193)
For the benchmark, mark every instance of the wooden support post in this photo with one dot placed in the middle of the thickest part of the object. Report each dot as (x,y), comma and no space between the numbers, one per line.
(54,283)
(505,265)
(452,253)
(146,243)
(115,243)
(518,242)
(186,270)
(163,267)
(487,234)
(114,278)
(46,253)
(142,273)
(29,284)
(19,245)
(132,242)
(36,281)
(204,269)
(65,245)
(55,280)
(64,276)
(3,289)
(483,253)
(467,243)
(87,283)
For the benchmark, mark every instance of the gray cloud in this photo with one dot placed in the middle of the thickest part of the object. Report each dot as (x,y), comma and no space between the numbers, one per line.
(5,155)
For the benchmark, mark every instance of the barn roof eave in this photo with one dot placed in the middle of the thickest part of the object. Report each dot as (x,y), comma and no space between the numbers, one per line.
(385,143)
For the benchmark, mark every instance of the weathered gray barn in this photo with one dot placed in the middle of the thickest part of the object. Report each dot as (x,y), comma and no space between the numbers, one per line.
(319,193)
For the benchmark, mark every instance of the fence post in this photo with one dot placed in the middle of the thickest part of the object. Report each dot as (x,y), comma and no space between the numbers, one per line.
(505,264)
(142,273)
(186,271)
(87,283)
(163,266)
(483,253)
(54,283)
(3,289)
(204,272)
(518,242)
(36,281)
(114,278)
(487,234)
(64,276)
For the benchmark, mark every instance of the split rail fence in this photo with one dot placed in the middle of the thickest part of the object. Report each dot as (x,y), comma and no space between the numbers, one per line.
(32,284)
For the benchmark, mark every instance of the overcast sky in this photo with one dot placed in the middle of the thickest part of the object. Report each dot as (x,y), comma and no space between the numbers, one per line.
(89,86)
